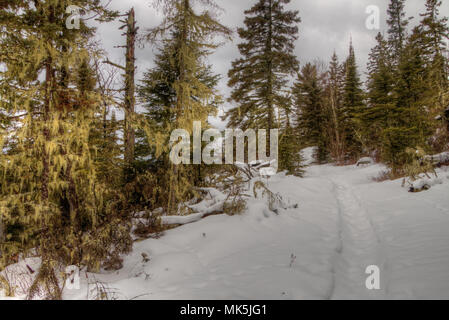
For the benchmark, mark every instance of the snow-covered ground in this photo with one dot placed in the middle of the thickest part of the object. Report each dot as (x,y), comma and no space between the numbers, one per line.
(344,223)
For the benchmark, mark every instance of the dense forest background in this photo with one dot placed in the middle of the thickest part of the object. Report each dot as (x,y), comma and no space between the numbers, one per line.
(74,174)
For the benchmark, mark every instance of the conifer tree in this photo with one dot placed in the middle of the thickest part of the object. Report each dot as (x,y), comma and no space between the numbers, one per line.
(311,114)
(381,100)
(51,198)
(260,76)
(290,143)
(352,107)
(434,32)
(397,29)
(409,121)
(158,96)
(333,96)
(192,44)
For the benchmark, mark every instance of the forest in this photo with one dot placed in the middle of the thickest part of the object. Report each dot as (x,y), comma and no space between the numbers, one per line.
(85,169)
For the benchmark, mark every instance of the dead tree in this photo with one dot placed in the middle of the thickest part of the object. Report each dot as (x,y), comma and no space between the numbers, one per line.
(129,91)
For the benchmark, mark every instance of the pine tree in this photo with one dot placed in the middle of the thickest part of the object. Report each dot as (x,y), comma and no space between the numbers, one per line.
(260,76)
(397,29)
(434,32)
(158,96)
(352,107)
(51,198)
(381,100)
(192,33)
(311,114)
(290,143)
(333,95)
(409,120)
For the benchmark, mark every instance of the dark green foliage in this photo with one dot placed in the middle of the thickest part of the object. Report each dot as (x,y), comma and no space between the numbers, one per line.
(381,99)
(260,77)
(397,29)
(353,106)
(312,117)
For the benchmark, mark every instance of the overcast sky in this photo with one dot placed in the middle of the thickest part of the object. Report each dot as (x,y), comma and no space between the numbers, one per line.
(327,25)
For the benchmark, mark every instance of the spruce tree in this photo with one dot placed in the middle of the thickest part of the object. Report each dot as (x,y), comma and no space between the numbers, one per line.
(158,96)
(381,99)
(51,197)
(191,45)
(352,107)
(260,75)
(397,29)
(312,120)
(333,96)
(434,33)
(409,120)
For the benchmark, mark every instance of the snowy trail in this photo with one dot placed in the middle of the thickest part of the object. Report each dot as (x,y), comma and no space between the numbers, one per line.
(359,248)
(344,223)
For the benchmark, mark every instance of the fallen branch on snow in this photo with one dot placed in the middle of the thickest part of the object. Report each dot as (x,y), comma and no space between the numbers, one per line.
(205,208)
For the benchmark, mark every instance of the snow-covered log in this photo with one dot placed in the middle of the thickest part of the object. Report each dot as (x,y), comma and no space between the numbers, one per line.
(438,159)
(365,161)
(207,207)
(170,220)
(424,184)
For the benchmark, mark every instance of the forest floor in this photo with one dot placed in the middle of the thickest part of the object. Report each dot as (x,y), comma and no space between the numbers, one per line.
(344,222)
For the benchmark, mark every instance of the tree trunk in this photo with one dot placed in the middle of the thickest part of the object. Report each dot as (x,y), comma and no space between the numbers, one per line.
(180,104)
(2,232)
(130,99)
(338,144)
(270,68)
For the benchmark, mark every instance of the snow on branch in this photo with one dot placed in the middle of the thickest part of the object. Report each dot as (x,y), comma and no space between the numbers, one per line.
(214,204)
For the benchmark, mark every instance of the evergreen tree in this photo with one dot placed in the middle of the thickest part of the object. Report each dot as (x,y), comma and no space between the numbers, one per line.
(381,99)
(191,45)
(397,29)
(158,95)
(51,197)
(434,33)
(333,95)
(290,143)
(311,114)
(352,107)
(260,76)
(409,121)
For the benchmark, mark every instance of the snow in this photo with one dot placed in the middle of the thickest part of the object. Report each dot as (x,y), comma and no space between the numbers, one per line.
(308,155)
(213,203)
(439,158)
(319,249)
(425,183)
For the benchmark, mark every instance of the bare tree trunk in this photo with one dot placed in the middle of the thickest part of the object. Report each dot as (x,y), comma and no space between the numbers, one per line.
(270,69)
(130,99)
(338,144)
(2,232)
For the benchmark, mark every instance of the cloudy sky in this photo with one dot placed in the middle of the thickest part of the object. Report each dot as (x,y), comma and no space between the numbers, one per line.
(327,25)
